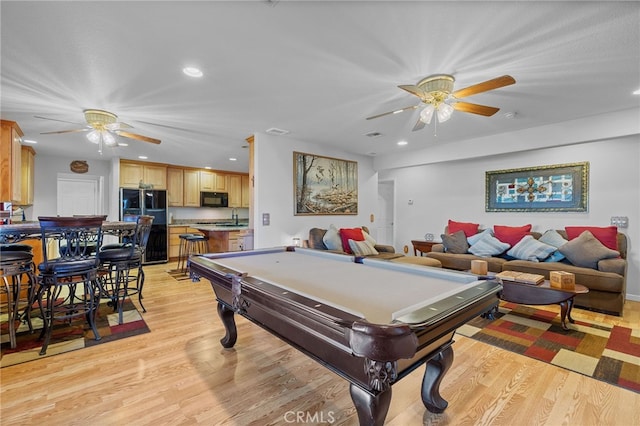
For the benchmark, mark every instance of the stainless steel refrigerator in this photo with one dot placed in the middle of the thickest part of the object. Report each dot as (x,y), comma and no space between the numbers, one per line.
(150,202)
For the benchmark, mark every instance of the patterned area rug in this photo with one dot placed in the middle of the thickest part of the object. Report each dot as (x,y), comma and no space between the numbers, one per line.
(67,337)
(604,352)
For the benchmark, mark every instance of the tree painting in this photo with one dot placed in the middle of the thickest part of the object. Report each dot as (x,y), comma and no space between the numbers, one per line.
(324,185)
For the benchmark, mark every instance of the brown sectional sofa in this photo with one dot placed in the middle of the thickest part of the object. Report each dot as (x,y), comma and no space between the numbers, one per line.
(607,283)
(385,252)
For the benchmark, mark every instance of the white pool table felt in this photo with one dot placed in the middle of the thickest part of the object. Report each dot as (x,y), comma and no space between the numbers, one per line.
(379,291)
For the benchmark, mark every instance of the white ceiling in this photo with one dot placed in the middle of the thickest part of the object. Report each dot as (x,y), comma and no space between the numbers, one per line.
(317,69)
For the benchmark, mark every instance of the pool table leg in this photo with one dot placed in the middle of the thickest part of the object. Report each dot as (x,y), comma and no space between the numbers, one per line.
(226,315)
(433,375)
(372,409)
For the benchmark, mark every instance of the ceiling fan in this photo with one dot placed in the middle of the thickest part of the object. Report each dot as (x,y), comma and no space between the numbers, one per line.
(103,126)
(436,93)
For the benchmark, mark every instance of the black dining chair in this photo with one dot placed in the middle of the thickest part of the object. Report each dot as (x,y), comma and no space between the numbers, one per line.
(121,271)
(67,284)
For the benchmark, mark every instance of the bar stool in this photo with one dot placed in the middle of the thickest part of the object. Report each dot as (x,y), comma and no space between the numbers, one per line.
(16,264)
(194,244)
(121,270)
(68,285)
(182,249)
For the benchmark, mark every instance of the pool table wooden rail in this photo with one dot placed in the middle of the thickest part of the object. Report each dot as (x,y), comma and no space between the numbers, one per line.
(370,356)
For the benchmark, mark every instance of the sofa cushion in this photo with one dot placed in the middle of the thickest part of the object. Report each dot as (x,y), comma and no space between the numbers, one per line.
(511,234)
(607,235)
(531,249)
(488,246)
(468,228)
(553,238)
(472,239)
(455,243)
(332,239)
(316,236)
(347,234)
(362,248)
(586,251)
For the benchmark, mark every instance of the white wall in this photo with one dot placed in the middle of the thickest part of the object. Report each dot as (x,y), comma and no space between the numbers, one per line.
(45,190)
(456,190)
(273,186)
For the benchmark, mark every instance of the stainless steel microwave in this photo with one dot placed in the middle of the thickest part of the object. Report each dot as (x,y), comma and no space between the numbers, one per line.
(214,199)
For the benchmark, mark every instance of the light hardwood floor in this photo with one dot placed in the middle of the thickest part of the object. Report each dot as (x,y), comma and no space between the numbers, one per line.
(180,375)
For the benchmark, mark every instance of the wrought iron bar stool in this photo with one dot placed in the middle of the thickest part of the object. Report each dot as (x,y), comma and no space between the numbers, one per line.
(68,286)
(17,272)
(194,244)
(121,269)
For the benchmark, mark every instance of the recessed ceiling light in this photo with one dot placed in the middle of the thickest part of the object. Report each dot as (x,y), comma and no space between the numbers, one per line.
(142,157)
(233,159)
(637,92)
(29,141)
(123,144)
(207,167)
(192,71)
(403,143)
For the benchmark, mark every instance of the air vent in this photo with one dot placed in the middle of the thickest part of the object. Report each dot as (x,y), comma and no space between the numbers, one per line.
(276,131)
(373,134)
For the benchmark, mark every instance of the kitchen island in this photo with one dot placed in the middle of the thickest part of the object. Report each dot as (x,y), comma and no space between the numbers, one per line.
(222,237)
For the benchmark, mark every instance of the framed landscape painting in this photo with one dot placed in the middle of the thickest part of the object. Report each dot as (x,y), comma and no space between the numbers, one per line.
(559,188)
(324,185)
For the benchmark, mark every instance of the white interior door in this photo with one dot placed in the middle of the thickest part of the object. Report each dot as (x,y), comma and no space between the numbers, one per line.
(79,195)
(385,213)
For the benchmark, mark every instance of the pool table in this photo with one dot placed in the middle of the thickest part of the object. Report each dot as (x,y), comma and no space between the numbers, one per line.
(370,321)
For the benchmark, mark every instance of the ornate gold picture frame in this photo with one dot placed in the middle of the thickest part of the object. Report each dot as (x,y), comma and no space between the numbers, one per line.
(554,188)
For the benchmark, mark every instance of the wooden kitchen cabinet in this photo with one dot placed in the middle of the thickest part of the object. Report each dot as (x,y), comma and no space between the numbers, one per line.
(175,187)
(191,188)
(28,167)
(246,191)
(10,162)
(133,173)
(234,188)
(213,181)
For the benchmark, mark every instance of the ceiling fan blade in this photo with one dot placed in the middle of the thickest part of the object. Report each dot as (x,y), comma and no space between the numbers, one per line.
(65,131)
(55,119)
(475,108)
(413,89)
(398,111)
(117,126)
(419,125)
(495,83)
(137,137)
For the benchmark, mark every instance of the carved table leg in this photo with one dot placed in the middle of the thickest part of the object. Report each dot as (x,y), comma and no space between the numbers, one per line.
(435,371)
(226,315)
(372,410)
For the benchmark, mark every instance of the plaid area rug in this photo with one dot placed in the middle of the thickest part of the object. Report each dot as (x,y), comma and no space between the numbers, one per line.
(604,352)
(67,337)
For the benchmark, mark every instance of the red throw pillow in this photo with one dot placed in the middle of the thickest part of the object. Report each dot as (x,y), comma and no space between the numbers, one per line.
(468,228)
(511,234)
(607,235)
(347,234)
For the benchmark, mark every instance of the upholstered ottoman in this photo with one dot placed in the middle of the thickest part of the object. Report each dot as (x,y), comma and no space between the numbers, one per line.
(418,260)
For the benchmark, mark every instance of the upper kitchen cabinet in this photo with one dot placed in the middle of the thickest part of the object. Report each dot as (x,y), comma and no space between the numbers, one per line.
(234,186)
(183,187)
(11,162)
(132,174)
(212,181)
(28,166)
